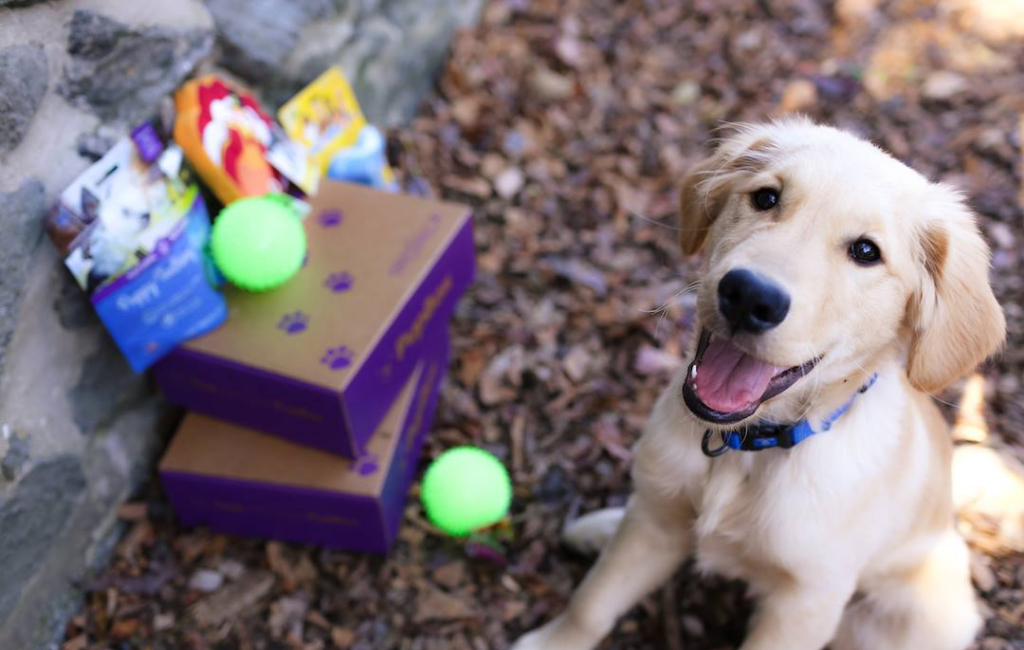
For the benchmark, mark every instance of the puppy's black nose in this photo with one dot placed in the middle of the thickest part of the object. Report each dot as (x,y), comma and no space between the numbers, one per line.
(751,302)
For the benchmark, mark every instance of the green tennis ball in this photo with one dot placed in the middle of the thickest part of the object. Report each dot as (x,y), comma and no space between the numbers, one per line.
(258,243)
(466,489)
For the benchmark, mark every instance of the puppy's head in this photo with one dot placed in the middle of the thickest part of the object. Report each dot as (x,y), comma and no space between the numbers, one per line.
(824,253)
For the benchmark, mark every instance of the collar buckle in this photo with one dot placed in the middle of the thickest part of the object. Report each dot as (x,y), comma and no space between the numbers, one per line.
(766,436)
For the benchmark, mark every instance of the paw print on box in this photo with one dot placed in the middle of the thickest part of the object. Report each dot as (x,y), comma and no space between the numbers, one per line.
(293,323)
(337,358)
(365,465)
(330,218)
(339,282)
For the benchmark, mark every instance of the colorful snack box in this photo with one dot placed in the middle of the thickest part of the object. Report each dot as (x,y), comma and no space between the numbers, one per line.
(325,118)
(320,360)
(242,482)
(235,147)
(132,229)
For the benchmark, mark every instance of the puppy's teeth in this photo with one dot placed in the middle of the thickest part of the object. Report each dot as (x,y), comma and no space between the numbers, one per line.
(693,371)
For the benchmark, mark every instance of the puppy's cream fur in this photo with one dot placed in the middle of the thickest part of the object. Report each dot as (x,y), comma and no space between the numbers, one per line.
(847,538)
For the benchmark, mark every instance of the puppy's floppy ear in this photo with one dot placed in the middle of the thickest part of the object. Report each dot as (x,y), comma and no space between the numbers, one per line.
(706,187)
(955,320)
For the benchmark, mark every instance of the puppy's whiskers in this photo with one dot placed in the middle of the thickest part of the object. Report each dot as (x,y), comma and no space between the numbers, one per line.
(816,389)
(666,226)
(665,306)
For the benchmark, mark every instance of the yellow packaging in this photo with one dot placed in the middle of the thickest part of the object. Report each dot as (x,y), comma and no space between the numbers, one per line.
(324,117)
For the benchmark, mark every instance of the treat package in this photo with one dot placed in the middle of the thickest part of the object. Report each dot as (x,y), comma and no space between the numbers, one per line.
(236,148)
(325,119)
(132,229)
(364,162)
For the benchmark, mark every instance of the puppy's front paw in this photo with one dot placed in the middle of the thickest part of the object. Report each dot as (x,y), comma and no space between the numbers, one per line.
(589,534)
(556,635)
(535,640)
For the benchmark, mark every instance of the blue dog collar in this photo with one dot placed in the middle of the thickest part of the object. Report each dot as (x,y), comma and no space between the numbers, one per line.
(766,435)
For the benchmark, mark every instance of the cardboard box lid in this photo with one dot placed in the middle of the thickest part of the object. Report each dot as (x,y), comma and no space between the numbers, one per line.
(211,447)
(368,253)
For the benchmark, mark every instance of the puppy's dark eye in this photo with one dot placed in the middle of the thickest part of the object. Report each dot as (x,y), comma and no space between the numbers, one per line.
(865,251)
(765,198)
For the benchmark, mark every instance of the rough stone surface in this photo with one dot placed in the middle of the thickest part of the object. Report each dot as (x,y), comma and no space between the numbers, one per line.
(21,215)
(256,36)
(391,51)
(15,458)
(106,387)
(33,519)
(121,72)
(43,395)
(93,146)
(23,80)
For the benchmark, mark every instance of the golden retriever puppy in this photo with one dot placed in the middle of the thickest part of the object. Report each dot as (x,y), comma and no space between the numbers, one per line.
(800,450)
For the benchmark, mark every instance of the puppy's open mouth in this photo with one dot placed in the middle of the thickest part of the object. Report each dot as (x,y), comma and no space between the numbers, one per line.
(725,385)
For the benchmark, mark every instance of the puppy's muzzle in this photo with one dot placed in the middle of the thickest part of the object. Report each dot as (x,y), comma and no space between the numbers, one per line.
(750,302)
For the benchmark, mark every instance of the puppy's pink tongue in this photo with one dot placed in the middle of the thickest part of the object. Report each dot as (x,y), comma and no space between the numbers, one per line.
(729,380)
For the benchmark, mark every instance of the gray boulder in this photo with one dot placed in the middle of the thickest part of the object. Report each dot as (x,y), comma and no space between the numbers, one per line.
(121,72)
(24,77)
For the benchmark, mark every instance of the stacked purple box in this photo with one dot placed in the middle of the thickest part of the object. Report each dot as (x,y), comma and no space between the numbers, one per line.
(341,367)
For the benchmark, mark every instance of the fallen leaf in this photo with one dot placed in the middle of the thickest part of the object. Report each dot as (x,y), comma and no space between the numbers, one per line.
(342,637)
(125,628)
(450,574)
(80,642)
(799,96)
(550,85)
(133,511)
(233,599)
(436,605)
(576,363)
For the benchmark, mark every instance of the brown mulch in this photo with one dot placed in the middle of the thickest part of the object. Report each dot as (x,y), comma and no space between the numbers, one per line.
(568,125)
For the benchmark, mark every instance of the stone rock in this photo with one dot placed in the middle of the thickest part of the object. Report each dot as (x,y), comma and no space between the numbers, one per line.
(256,36)
(24,76)
(32,520)
(231,569)
(206,581)
(943,85)
(15,458)
(121,72)
(72,305)
(106,388)
(93,146)
(390,51)
(92,36)
(21,215)
(509,182)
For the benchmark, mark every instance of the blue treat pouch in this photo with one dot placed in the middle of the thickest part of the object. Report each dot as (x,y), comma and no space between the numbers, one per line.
(133,230)
(364,162)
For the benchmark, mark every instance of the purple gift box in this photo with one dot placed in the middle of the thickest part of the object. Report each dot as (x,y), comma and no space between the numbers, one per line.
(320,360)
(242,482)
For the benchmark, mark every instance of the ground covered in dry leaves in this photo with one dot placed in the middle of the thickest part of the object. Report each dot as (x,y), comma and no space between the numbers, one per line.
(568,125)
